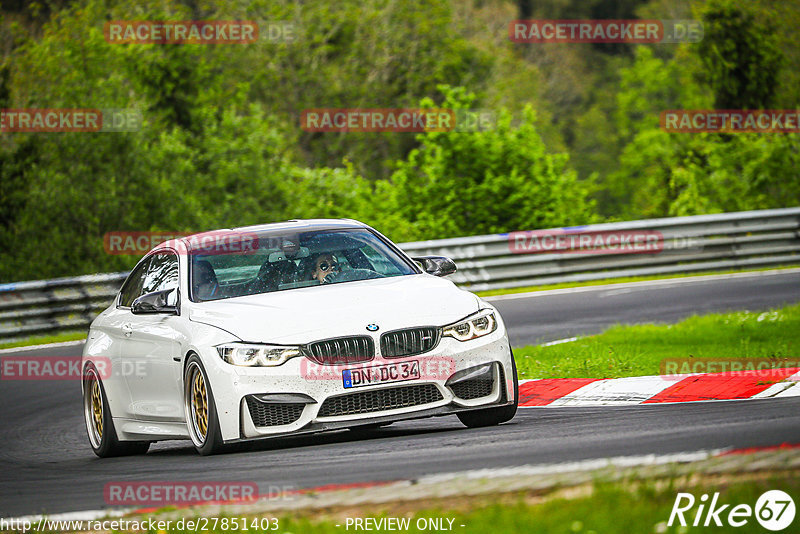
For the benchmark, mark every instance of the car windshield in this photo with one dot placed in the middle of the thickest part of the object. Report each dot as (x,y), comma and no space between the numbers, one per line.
(237,263)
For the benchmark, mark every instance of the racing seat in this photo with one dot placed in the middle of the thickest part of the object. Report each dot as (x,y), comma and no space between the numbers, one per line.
(205,285)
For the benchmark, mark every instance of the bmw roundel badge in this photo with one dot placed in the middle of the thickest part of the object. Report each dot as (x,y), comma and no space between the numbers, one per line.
(372,327)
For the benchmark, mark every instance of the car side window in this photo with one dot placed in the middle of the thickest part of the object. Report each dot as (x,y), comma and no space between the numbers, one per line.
(162,273)
(133,285)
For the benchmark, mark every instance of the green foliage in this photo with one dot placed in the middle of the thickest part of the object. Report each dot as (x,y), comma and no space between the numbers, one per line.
(357,54)
(662,173)
(689,174)
(747,171)
(577,138)
(234,174)
(640,185)
(462,183)
(740,56)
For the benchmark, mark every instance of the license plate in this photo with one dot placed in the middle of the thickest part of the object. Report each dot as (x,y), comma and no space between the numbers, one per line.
(380,374)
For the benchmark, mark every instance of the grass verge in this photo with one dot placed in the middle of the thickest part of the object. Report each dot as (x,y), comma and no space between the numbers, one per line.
(42,340)
(630,505)
(639,350)
(619,508)
(604,281)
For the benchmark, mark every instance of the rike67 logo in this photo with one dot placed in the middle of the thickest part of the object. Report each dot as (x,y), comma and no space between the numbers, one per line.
(774,510)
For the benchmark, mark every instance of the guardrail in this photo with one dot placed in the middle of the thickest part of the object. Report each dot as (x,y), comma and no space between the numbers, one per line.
(749,239)
(714,242)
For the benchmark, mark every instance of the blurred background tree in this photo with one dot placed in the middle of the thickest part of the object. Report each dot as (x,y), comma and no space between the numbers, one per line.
(577,141)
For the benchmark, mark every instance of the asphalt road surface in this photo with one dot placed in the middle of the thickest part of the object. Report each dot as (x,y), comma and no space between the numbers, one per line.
(46,465)
(582,311)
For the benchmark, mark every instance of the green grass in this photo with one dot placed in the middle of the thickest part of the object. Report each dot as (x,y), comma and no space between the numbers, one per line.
(611,508)
(564,285)
(639,350)
(41,340)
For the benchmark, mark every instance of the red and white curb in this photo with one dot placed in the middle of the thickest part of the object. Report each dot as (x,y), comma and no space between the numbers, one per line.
(552,392)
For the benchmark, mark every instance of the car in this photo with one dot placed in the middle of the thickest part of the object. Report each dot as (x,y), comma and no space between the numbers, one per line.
(288,328)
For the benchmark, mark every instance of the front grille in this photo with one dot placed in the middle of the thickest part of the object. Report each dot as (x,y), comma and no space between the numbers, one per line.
(342,350)
(473,389)
(409,342)
(378,400)
(268,414)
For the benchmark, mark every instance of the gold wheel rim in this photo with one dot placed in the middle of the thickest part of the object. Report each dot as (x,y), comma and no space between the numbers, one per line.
(97,409)
(199,405)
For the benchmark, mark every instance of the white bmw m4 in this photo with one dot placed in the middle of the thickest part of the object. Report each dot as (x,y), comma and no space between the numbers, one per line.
(288,328)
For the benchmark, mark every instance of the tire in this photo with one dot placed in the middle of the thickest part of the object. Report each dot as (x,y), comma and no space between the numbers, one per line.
(493,416)
(100,423)
(202,420)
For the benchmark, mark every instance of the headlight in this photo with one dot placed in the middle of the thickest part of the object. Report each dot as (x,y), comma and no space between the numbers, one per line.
(257,355)
(480,324)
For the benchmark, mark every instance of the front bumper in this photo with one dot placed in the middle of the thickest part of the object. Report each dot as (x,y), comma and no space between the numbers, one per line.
(302,397)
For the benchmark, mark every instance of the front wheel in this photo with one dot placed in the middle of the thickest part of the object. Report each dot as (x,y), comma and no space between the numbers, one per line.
(200,410)
(99,423)
(497,415)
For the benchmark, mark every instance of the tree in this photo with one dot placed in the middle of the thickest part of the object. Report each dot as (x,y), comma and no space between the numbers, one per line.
(741,55)
(502,179)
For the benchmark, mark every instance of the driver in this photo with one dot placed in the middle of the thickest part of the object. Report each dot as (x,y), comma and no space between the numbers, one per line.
(205,280)
(325,265)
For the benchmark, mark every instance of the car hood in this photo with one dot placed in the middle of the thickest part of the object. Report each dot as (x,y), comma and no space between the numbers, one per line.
(303,315)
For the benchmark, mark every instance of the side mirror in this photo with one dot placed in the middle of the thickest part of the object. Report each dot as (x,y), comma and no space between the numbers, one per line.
(436,265)
(156,302)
